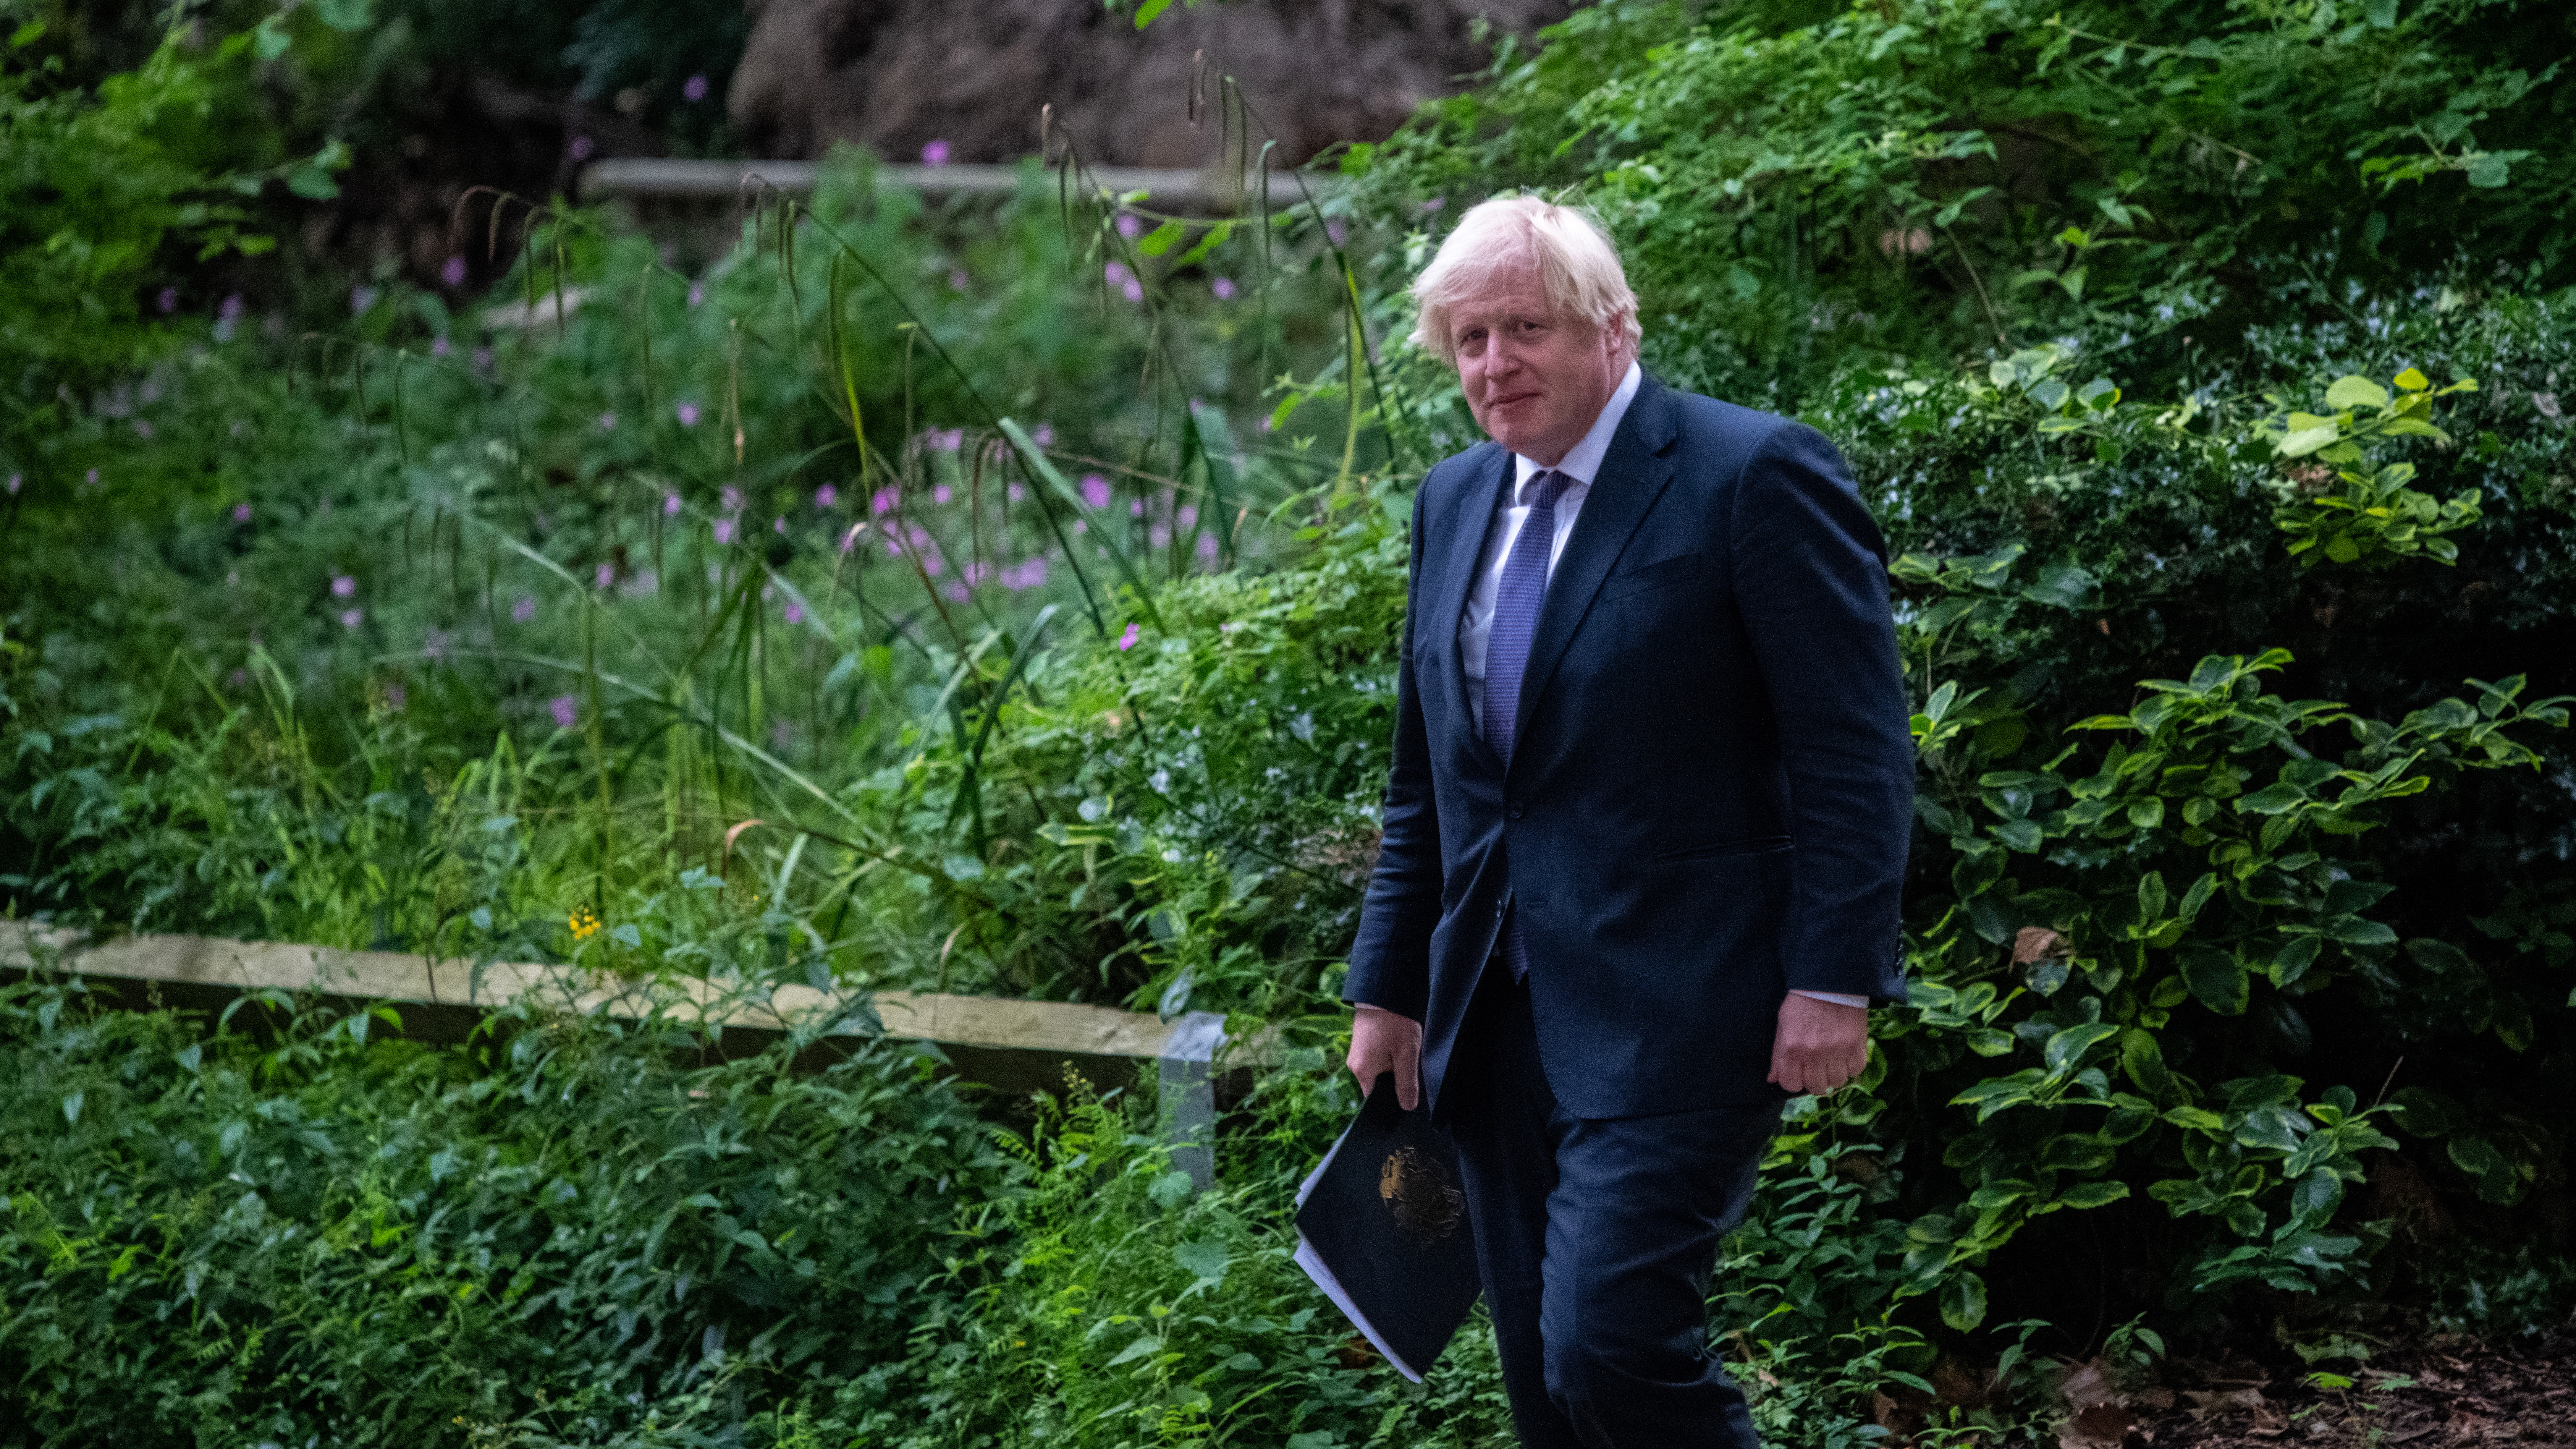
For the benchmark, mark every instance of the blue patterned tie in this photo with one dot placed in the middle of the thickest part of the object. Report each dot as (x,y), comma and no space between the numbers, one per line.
(1517,597)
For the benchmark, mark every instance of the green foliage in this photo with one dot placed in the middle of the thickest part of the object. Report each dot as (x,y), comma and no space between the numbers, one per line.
(1798,186)
(562,1231)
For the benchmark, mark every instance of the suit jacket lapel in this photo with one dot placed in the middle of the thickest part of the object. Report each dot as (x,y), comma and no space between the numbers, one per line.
(1632,477)
(1479,499)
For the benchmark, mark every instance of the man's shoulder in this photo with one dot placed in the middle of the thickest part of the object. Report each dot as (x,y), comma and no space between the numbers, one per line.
(1465,463)
(1708,419)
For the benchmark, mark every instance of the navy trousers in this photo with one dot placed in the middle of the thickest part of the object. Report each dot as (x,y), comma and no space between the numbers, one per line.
(1595,1239)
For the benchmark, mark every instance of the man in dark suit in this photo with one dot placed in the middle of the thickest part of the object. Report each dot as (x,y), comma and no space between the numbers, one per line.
(1644,831)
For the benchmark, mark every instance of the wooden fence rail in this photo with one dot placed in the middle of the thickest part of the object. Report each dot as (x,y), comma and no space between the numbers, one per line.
(1004,1043)
(663,179)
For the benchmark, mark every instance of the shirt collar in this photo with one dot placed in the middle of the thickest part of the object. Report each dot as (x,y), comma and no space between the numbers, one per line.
(1583,461)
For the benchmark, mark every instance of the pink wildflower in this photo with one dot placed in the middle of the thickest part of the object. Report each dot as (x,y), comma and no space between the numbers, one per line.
(438,346)
(1043,435)
(1130,225)
(724,530)
(1127,640)
(883,502)
(941,494)
(697,293)
(168,301)
(1207,548)
(794,612)
(687,412)
(608,422)
(1016,492)
(566,710)
(670,505)
(241,511)
(352,618)
(935,154)
(1223,287)
(1095,490)
(580,148)
(604,576)
(343,587)
(826,496)
(524,610)
(694,89)
(453,274)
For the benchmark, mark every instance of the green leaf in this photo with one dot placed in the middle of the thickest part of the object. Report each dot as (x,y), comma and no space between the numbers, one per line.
(2356,392)
(2069,1046)
(1963,1302)
(1204,1259)
(346,15)
(2354,931)
(1161,239)
(2093,1194)
(1217,236)
(1134,1351)
(1147,11)
(2491,170)
(2217,978)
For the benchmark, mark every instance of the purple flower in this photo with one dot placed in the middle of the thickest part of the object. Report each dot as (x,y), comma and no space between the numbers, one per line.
(483,360)
(778,526)
(168,301)
(945,440)
(608,422)
(433,646)
(1135,508)
(883,502)
(343,587)
(1117,274)
(959,279)
(1157,536)
(1095,490)
(1224,288)
(352,618)
(688,414)
(794,613)
(91,478)
(957,593)
(606,575)
(142,429)
(731,498)
(1043,435)
(1207,548)
(229,309)
(565,709)
(362,297)
(438,347)
(1016,492)
(894,547)
(724,530)
(826,496)
(1188,517)
(1134,289)
(395,699)
(453,274)
(935,154)
(1130,225)
(241,511)
(18,480)
(1029,575)
(694,89)
(1336,229)
(941,494)
(1127,640)
(670,505)
(580,148)
(1435,203)
(524,610)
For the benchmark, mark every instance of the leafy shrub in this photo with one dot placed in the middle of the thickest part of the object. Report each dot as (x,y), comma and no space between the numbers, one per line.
(564,1227)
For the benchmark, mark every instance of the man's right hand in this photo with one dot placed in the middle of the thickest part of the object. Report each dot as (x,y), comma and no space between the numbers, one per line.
(1382,1041)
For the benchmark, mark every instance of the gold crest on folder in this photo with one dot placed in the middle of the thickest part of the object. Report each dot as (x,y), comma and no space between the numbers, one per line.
(1417,1191)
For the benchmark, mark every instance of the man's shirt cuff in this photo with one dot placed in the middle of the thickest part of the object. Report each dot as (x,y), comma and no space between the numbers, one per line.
(1836,997)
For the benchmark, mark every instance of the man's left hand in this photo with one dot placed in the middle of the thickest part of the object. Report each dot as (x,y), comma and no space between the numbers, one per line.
(1820,1045)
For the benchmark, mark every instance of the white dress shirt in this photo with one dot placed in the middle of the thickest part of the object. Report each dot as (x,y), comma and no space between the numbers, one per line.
(1581,464)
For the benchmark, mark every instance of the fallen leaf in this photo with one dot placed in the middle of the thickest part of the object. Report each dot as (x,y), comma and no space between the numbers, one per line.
(2090,1383)
(2034,943)
(2102,1426)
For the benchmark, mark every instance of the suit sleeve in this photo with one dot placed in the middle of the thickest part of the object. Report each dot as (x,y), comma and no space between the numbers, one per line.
(1810,570)
(1391,957)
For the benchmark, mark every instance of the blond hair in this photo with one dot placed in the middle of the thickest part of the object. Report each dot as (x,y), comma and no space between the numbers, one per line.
(1578,267)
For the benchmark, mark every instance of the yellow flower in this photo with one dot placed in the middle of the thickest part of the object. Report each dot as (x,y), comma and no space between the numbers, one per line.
(584,923)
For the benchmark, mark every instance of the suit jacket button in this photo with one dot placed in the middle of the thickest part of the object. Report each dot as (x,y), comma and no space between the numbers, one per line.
(1514,810)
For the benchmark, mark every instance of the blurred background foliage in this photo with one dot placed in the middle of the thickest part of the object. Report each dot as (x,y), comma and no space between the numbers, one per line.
(998,596)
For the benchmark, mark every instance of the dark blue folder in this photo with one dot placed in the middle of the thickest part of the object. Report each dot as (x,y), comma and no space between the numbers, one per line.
(1382,1229)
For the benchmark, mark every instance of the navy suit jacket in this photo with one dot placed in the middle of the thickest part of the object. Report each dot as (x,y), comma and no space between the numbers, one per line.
(1712,791)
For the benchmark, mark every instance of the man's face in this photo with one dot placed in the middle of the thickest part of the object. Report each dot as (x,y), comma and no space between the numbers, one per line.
(1535,379)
